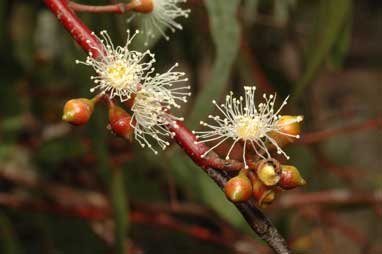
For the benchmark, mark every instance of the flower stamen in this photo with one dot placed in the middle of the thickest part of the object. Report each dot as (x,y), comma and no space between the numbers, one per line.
(247,123)
(120,71)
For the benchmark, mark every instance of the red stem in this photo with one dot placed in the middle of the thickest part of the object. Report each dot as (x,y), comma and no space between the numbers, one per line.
(78,30)
(118,8)
(186,139)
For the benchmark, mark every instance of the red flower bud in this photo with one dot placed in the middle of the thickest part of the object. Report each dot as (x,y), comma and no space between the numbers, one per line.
(238,188)
(120,121)
(78,111)
(142,6)
(290,177)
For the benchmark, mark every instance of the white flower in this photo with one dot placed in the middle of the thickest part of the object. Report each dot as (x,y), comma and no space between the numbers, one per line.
(151,108)
(244,121)
(120,71)
(162,16)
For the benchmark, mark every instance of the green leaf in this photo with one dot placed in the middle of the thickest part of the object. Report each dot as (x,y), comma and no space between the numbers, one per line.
(226,36)
(57,150)
(22,27)
(341,47)
(331,21)
(281,11)
(251,10)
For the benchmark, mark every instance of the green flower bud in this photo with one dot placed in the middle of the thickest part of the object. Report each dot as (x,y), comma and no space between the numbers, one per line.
(238,188)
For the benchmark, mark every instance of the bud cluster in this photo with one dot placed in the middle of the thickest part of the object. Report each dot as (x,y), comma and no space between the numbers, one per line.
(78,112)
(263,182)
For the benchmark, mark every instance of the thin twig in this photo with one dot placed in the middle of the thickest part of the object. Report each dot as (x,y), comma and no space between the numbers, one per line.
(314,213)
(330,197)
(313,137)
(254,217)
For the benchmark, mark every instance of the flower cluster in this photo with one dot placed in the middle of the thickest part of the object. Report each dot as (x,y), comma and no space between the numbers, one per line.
(128,74)
(245,122)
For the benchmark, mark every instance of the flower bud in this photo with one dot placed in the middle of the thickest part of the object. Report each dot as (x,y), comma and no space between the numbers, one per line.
(120,121)
(263,194)
(268,173)
(289,127)
(78,111)
(238,188)
(290,177)
(142,6)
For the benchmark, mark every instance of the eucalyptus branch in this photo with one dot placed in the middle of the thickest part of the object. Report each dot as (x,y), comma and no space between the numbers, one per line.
(255,218)
(212,164)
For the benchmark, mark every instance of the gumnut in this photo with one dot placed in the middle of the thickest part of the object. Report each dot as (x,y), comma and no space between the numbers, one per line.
(238,188)
(78,111)
(290,177)
(120,121)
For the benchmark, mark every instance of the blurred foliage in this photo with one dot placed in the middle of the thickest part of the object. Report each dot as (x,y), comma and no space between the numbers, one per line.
(325,53)
(226,37)
(329,28)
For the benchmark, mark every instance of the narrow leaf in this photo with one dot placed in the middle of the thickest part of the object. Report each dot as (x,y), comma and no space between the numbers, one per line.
(226,36)
(332,19)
